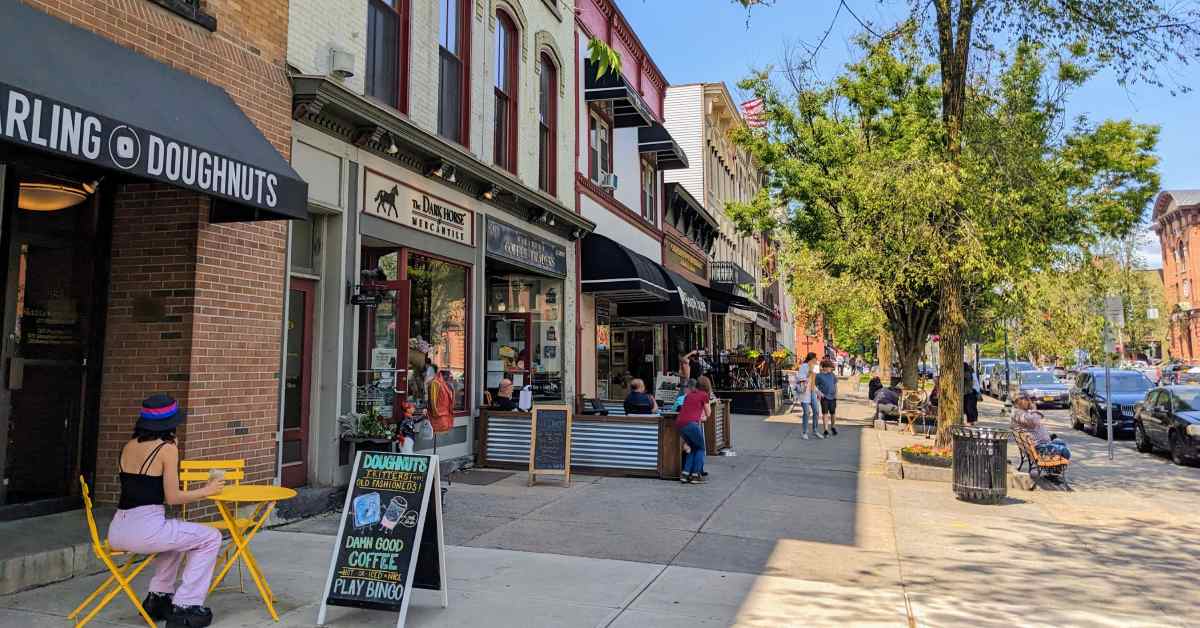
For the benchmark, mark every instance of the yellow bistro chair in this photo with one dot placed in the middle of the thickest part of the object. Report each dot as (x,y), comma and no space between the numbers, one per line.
(120,575)
(196,472)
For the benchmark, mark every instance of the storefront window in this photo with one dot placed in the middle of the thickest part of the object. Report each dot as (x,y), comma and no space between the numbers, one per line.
(683,339)
(435,319)
(437,325)
(523,333)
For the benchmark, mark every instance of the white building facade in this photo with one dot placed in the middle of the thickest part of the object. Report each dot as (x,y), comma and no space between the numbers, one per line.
(438,137)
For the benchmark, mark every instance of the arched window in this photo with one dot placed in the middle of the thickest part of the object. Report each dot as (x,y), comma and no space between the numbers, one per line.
(506,92)
(547,124)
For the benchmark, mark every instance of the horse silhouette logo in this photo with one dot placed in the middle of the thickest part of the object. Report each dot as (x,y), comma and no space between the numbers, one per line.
(387,199)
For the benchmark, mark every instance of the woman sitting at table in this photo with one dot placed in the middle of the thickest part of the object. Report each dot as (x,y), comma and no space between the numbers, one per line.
(149,466)
(504,397)
(638,402)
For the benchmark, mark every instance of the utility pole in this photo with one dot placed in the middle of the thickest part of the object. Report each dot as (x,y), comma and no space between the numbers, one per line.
(1114,319)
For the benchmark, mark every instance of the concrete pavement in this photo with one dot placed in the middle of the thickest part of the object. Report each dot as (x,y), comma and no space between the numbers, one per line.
(789,532)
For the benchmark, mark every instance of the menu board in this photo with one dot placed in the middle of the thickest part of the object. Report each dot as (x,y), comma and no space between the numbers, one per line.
(390,539)
(550,442)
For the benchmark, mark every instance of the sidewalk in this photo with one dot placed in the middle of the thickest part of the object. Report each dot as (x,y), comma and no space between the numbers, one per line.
(788,532)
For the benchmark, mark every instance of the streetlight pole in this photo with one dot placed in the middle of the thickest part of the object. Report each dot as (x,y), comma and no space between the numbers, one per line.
(1007,400)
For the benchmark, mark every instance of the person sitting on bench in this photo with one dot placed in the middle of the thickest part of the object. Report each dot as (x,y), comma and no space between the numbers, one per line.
(887,402)
(1025,417)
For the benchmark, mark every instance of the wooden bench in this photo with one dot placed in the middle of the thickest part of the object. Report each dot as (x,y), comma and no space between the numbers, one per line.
(1049,466)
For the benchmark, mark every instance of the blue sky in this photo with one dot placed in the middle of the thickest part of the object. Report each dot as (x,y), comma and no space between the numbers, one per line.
(710,40)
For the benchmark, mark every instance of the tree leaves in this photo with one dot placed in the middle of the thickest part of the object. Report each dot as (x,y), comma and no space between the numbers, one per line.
(606,59)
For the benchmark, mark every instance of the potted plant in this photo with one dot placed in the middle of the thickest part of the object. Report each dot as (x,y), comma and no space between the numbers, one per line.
(367,430)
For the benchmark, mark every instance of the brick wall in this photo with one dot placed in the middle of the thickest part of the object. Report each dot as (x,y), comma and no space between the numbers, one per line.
(217,349)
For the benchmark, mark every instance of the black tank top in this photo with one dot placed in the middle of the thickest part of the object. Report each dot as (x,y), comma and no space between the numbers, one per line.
(139,489)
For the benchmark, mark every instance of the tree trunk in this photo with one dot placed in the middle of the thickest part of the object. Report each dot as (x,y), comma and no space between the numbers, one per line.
(885,358)
(950,380)
(910,359)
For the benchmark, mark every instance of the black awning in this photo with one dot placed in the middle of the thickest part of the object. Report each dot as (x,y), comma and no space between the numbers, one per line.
(619,274)
(687,305)
(721,301)
(69,92)
(655,139)
(629,108)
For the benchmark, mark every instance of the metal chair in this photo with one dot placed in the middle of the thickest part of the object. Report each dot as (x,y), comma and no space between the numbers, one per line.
(197,471)
(119,575)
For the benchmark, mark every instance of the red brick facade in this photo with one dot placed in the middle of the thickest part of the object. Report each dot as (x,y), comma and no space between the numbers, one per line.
(216,346)
(1176,220)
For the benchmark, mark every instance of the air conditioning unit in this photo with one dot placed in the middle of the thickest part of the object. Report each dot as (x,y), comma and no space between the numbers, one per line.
(608,180)
(341,63)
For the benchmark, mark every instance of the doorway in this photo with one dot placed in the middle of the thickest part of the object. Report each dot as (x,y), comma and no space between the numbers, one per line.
(54,294)
(298,383)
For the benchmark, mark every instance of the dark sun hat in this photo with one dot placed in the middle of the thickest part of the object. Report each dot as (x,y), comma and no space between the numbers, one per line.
(160,413)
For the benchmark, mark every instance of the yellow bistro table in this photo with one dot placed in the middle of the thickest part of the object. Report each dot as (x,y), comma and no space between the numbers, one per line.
(264,498)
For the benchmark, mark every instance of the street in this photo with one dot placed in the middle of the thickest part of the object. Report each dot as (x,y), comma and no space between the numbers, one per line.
(786,533)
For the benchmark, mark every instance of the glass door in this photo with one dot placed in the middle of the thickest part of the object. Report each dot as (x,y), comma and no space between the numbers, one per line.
(508,349)
(49,324)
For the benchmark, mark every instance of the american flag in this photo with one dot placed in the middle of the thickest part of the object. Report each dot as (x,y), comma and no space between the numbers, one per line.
(754,110)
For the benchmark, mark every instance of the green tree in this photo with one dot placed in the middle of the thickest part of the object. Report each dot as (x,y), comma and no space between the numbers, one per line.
(861,165)
(1135,38)
(857,165)
(849,308)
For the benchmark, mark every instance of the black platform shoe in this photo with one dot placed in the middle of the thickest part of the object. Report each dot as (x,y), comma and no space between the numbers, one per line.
(189,617)
(158,605)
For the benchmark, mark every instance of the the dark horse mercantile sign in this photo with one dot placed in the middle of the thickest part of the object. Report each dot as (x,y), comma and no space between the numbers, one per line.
(401,203)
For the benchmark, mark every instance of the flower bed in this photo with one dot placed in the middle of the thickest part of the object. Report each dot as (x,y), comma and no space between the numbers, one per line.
(926,455)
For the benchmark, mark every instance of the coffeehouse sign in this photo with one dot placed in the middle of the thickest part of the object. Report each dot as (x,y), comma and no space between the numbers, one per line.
(401,203)
(525,249)
(677,258)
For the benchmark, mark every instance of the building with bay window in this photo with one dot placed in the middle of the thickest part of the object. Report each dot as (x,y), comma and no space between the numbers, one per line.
(443,232)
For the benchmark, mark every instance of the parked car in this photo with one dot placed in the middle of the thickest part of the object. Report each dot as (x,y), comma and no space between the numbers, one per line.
(1169,419)
(1089,405)
(1044,387)
(998,381)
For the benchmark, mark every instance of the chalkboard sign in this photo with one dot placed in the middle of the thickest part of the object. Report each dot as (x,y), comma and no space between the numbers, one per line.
(550,442)
(390,539)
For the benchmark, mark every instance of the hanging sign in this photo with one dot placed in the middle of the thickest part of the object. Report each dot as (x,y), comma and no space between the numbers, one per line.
(550,442)
(390,539)
(526,249)
(401,203)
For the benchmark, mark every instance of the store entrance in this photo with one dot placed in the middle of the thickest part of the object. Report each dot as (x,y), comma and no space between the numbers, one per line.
(53,316)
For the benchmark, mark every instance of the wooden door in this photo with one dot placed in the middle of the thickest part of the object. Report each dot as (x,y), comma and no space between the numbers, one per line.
(297,382)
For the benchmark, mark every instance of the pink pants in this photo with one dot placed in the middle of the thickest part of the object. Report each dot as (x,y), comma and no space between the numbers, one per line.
(146,530)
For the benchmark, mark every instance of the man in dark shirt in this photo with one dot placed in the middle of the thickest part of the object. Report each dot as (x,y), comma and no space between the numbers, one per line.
(504,397)
(638,402)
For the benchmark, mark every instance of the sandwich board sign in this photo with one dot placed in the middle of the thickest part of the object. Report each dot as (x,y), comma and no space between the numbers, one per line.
(550,443)
(390,539)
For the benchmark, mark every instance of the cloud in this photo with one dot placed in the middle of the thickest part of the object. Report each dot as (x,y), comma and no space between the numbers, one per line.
(1149,252)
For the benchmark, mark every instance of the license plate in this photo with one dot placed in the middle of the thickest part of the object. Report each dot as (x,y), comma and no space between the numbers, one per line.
(1048,398)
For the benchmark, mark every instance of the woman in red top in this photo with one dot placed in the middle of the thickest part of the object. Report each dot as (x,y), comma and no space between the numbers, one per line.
(696,408)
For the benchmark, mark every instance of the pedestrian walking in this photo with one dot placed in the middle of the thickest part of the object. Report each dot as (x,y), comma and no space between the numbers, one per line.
(971,392)
(807,378)
(697,407)
(841,365)
(827,392)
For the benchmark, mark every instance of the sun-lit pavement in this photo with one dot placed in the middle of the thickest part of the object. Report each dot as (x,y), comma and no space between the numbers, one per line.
(788,532)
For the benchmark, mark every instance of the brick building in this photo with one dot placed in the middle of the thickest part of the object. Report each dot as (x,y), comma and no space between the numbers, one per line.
(1176,220)
(145,185)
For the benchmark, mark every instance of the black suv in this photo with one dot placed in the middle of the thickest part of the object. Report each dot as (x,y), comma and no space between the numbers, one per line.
(1089,407)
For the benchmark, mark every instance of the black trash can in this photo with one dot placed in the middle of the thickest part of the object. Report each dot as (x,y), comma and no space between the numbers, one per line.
(980,464)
